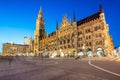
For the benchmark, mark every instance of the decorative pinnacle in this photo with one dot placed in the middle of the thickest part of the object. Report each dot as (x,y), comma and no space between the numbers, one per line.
(101,9)
(40,9)
(74,16)
(56,25)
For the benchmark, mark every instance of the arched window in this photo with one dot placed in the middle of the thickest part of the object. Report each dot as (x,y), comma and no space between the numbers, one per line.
(100,35)
(88,30)
(80,32)
(68,46)
(86,44)
(98,27)
(64,41)
(68,41)
(90,44)
(60,42)
(95,28)
(89,37)
(100,42)
(86,37)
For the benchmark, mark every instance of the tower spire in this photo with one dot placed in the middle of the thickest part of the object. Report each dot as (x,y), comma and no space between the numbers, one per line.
(74,16)
(101,9)
(40,15)
(40,11)
(65,16)
(57,25)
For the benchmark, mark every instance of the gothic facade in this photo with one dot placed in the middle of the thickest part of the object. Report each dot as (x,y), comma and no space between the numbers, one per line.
(89,36)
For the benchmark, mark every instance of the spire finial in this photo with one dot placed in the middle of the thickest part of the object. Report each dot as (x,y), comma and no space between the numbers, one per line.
(40,11)
(65,16)
(57,25)
(74,16)
(101,9)
(40,15)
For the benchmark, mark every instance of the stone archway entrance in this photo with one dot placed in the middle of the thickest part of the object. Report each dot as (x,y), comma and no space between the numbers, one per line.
(100,52)
(89,52)
(80,53)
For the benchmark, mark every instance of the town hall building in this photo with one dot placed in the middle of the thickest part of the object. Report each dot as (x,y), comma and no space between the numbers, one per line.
(89,36)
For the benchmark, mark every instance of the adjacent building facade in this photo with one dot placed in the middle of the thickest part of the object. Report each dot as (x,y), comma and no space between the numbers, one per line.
(14,49)
(89,36)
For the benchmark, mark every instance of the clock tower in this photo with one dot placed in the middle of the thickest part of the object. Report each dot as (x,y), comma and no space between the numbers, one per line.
(39,33)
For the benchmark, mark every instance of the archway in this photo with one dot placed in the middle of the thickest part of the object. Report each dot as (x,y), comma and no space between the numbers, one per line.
(100,52)
(80,53)
(89,52)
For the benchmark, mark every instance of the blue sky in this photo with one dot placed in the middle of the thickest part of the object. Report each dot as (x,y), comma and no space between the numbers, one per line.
(18,17)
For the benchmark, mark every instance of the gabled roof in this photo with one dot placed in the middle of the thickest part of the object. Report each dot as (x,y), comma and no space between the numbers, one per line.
(52,34)
(89,18)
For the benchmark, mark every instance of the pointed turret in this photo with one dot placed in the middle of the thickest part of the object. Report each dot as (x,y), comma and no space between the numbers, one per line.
(40,10)
(40,15)
(31,48)
(64,16)
(101,9)
(40,20)
(56,25)
(74,16)
(102,15)
(31,39)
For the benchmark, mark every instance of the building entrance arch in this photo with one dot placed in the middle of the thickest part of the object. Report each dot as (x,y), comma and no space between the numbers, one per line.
(89,52)
(80,53)
(100,52)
